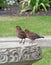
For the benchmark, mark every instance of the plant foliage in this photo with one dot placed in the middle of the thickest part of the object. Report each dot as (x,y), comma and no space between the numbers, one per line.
(35,5)
(3,4)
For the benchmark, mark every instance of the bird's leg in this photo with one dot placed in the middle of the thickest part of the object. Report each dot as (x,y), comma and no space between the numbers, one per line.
(31,41)
(23,41)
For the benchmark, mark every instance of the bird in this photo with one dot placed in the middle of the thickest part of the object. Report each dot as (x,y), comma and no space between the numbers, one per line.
(20,33)
(31,35)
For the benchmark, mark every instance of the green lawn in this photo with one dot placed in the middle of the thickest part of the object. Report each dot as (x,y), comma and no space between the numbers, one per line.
(46,57)
(38,24)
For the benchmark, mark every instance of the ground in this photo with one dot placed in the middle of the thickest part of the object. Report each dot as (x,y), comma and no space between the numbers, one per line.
(38,24)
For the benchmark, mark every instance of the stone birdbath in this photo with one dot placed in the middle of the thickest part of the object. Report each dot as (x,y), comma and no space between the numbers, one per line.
(12,52)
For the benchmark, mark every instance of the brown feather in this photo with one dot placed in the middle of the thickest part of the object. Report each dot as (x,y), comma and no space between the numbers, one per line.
(32,35)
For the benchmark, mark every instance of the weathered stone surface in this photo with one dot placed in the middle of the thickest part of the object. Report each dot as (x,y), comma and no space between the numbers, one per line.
(44,42)
(19,54)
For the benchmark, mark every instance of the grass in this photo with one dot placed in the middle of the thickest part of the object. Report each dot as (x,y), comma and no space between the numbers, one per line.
(46,57)
(38,24)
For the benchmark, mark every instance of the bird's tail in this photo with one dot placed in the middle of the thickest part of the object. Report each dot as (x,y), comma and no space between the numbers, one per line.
(41,36)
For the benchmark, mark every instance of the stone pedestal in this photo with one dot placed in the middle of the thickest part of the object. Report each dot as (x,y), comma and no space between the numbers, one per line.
(20,54)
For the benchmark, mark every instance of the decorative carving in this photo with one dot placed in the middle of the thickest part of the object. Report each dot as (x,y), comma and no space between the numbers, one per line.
(19,54)
(3,56)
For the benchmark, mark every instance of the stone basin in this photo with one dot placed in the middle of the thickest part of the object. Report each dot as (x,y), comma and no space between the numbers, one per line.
(12,52)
